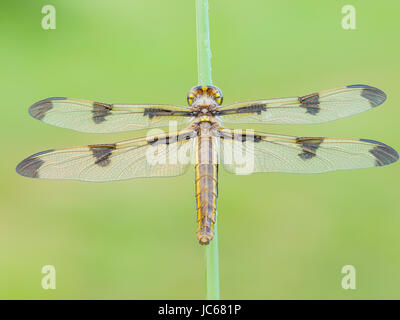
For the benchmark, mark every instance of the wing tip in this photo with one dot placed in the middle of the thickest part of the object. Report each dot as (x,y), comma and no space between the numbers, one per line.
(374,95)
(39,109)
(383,153)
(29,167)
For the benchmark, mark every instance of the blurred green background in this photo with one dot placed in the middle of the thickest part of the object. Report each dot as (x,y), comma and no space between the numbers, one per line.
(281,236)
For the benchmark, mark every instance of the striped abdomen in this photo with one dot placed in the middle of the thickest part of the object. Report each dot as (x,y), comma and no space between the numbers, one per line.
(206,184)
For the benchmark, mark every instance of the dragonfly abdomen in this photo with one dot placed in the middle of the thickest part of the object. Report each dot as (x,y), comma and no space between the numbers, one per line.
(206,184)
(206,200)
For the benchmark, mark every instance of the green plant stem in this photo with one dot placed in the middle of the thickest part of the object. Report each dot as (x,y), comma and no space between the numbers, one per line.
(212,268)
(203,43)
(204,78)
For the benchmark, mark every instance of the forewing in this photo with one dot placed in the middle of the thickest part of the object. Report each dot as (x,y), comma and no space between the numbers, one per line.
(155,156)
(99,117)
(317,107)
(250,153)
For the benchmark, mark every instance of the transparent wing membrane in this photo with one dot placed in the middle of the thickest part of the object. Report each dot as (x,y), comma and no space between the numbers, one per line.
(317,107)
(99,117)
(259,152)
(240,153)
(156,156)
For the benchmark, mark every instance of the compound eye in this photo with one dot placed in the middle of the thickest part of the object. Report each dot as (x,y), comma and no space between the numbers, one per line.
(213,91)
(190,98)
(218,97)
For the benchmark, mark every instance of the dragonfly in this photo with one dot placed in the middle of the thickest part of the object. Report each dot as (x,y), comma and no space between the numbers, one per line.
(202,140)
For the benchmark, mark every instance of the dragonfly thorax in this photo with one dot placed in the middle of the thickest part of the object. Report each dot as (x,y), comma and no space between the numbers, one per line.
(204,102)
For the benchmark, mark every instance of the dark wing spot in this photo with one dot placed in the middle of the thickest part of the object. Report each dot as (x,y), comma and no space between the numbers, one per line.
(160,140)
(239,137)
(254,108)
(159,112)
(187,136)
(101,111)
(40,108)
(224,135)
(257,138)
(249,137)
(153,141)
(383,154)
(30,166)
(375,96)
(172,139)
(102,153)
(151,112)
(309,147)
(311,103)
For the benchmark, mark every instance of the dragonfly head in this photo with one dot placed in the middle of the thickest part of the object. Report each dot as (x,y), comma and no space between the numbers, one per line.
(204,95)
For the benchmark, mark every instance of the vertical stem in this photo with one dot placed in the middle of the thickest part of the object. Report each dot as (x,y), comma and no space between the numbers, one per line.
(204,78)
(203,43)
(212,268)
